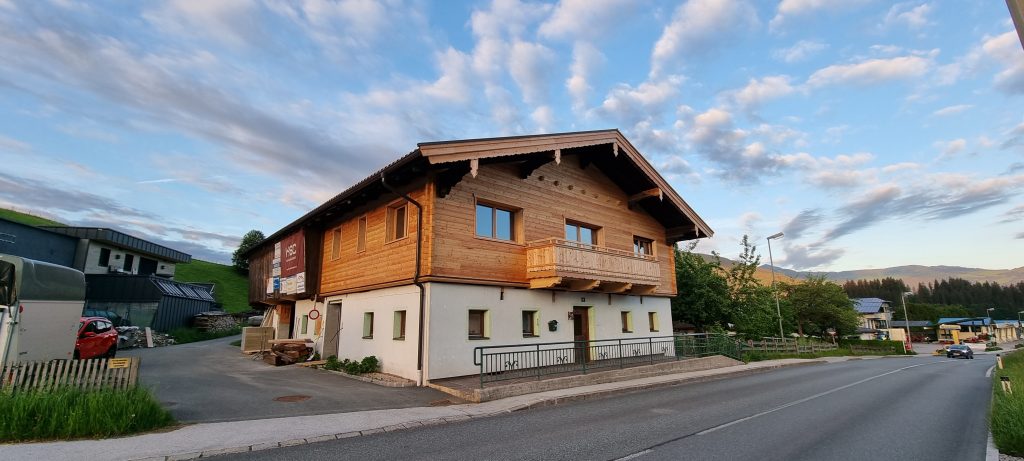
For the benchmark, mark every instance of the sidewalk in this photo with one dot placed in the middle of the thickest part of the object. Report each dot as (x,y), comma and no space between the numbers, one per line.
(210,439)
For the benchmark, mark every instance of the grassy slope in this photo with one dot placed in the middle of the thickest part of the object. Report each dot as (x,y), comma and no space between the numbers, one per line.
(27,219)
(232,288)
(1007,417)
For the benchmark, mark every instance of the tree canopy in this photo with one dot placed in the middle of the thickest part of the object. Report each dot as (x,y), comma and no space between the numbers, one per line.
(249,240)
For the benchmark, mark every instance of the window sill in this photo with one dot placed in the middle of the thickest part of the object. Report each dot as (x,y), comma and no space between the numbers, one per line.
(530,336)
(478,338)
(395,240)
(496,240)
(399,338)
(627,331)
(367,337)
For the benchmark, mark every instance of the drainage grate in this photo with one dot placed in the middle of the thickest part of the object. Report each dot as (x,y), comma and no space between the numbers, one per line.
(291,398)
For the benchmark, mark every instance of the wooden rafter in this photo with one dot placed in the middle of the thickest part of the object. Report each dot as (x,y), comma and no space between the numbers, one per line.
(642,289)
(447,179)
(636,198)
(582,285)
(529,166)
(545,282)
(615,287)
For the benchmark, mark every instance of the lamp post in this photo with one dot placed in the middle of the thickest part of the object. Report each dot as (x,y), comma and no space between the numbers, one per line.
(906,318)
(991,324)
(771,261)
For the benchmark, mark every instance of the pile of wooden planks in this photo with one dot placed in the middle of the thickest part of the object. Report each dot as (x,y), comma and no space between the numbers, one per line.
(288,351)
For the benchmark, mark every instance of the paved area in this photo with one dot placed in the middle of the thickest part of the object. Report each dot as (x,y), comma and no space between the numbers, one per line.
(851,410)
(209,439)
(211,381)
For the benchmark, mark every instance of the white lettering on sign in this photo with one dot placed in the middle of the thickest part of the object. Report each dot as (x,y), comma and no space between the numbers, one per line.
(291,250)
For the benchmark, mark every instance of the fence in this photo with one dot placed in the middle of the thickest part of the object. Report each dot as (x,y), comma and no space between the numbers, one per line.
(90,374)
(789,346)
(499,363)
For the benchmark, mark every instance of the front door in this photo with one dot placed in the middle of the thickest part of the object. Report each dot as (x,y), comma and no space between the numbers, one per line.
(581,332)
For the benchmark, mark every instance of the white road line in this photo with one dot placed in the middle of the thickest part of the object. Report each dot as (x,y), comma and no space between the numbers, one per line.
(806,399)
(635,455)
(988,374)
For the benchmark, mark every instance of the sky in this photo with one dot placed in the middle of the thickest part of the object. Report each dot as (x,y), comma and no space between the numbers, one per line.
(872,133)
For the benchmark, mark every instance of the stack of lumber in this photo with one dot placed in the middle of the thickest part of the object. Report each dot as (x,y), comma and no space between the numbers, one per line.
(288,351)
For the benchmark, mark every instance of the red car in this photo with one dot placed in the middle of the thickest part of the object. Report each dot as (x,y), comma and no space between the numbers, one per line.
(96,338)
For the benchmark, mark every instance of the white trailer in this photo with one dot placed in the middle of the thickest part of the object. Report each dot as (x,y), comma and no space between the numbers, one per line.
(40,308)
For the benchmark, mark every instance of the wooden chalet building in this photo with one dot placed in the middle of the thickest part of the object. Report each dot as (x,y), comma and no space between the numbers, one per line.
(459,244)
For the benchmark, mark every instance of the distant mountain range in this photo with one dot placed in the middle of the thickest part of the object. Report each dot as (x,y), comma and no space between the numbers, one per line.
(913,275)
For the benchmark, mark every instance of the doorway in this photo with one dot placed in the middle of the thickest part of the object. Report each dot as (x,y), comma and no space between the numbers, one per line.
(581,332)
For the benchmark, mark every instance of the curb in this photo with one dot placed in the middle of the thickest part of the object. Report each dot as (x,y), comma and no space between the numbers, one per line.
(461,418)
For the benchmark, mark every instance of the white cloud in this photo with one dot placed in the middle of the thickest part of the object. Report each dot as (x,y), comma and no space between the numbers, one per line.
(870,72)
(698,26)
(952,110)
(589,19)
(760,91)
(530,65)
(544,118)
(789,9)
(914,17)
(630,105)
(231,22)
(585,60)
(1005,49)
(11,144)
(951,148)
(799,51)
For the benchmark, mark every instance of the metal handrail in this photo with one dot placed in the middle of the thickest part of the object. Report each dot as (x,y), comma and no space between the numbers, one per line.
(514,361)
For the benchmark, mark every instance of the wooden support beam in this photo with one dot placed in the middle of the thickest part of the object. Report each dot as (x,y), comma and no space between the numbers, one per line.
(675,234)
(529,166)
(545,282)
(642,289)
(615,287)
(447,179)
(474,166)
(582,285)
(636,198)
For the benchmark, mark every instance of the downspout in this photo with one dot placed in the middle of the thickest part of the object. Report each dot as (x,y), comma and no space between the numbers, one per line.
(416,275)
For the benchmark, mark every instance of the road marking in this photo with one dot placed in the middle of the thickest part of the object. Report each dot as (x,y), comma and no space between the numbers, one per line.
(635,455)
(988,374)
(806,399)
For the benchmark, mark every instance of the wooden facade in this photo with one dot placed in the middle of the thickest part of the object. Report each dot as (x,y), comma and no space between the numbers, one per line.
(591,179)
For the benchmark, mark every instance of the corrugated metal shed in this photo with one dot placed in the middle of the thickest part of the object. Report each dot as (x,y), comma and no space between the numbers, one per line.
(869,305)
(177,302)
(123,240)
(967,321)
(913,324)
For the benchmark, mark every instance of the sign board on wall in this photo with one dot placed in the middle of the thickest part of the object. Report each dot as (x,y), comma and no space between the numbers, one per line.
(293,254)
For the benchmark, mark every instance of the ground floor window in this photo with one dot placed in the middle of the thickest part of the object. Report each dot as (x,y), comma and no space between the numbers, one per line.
(478,327)
(399,327)
(652,320)
(305,325)
(627,321)
(531,324)
(368,325)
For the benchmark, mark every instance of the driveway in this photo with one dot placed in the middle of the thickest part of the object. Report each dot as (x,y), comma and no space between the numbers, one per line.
(212,381)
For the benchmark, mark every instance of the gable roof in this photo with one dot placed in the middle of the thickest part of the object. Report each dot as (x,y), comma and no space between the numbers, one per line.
(869,305)
(607,150)
(120,239)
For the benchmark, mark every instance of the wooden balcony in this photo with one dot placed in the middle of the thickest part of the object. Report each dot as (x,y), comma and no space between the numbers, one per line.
(561,264)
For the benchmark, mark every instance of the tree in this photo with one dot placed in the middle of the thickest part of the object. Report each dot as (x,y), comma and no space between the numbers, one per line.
(703,293)
(249,240)
(751,303)
(819,305)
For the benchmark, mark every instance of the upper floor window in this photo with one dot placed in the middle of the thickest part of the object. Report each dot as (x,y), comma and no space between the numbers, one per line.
(398,225)
(361,235)
(576,232)
(336,243)
(643,246)
(104,257)
(495,222)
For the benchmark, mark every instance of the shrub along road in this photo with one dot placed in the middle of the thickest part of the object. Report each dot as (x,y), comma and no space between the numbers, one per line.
(894,408)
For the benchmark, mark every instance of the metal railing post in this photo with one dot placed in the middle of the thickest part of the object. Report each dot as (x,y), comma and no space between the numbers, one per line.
(650,348)
(536,362)
(583,360)
(622,363)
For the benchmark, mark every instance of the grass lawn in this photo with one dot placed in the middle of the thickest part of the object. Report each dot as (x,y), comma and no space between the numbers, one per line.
(71,414)
(1007,418)
(27,219)
(757,356)
(231,288)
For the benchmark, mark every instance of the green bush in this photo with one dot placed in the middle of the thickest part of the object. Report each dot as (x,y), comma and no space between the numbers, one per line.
(70,413)
(1007,415)
(191,335)
(367,365)
(993,348)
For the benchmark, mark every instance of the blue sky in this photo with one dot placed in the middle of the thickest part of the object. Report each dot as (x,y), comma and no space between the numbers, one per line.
(873,133)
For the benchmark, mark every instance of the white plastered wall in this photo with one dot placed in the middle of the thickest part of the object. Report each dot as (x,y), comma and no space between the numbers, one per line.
(450,351)
(304,307)
(397,356)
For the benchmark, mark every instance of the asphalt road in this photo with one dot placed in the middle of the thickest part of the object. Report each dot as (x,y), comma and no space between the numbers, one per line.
(211,381)
(897,408)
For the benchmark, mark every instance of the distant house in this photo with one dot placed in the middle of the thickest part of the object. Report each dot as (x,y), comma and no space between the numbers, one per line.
(917,327)
(124,274)
(958,329)
(875,319)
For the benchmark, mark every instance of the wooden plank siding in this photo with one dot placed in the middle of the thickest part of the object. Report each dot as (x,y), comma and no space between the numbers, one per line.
(260,268)
(551,195)
(382,263)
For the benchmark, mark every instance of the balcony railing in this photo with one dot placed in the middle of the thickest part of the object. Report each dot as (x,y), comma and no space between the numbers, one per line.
(584,267)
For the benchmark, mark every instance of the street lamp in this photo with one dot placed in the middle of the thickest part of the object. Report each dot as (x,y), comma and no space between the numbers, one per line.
(771,261)
(906,318)
(991,324)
